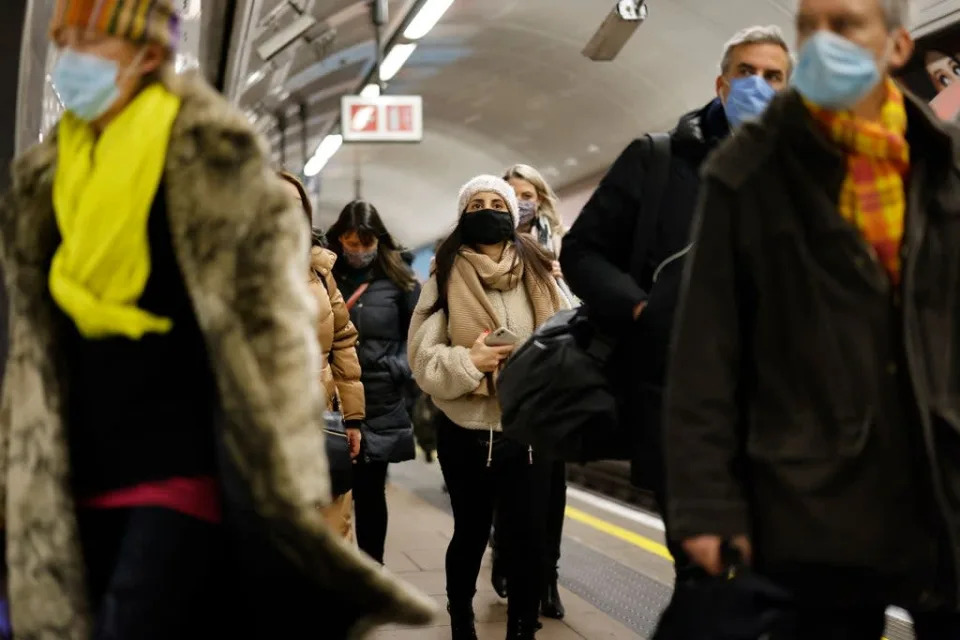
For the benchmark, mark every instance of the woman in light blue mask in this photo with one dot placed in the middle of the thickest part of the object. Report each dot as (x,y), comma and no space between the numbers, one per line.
(163,358)
(381,293)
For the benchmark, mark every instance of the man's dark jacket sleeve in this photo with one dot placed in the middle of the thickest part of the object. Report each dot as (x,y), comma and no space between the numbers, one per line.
(597,251)
(703,439)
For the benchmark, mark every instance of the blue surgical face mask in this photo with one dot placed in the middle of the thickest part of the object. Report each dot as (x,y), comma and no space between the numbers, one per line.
(747,100)
(86,84)
(833,72)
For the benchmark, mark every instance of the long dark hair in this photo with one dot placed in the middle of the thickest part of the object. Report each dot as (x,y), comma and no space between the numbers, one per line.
(362,218)
(528,253)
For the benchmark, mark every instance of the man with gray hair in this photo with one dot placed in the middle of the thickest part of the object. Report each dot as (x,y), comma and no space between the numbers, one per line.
(602,251)
(815,376)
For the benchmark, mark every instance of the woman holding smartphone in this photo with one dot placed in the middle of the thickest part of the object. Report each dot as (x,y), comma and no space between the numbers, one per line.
(490,289)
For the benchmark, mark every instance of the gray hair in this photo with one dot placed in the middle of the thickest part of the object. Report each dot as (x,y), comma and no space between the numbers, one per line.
(770,34)
(897,13)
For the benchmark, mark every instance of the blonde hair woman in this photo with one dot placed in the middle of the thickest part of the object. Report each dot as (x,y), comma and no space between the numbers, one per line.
(538,207)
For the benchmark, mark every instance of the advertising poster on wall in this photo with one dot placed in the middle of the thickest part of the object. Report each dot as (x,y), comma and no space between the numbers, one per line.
(934,72)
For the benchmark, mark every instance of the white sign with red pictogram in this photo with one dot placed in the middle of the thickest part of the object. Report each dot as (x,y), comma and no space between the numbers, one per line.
(383,119)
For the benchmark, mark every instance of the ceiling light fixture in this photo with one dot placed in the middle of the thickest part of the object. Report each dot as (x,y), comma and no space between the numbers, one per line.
(327,149)
(395,59)
(426,19)
(621,23)
(255,77)
(371,91)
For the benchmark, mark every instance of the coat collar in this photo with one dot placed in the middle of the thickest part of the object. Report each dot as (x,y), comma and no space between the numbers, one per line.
(933,148)
(205,125)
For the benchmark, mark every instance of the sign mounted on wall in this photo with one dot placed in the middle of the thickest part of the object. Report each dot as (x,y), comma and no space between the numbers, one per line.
(382,119)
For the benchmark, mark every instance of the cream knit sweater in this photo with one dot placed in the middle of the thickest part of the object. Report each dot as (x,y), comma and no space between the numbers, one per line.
(446,373)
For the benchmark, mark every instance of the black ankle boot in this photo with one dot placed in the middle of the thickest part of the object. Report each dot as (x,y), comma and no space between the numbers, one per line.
(498,576)
(523,628)
(463,624)
(550,604)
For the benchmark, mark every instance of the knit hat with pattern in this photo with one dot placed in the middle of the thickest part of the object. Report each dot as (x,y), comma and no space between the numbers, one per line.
(492,184)
(140,21)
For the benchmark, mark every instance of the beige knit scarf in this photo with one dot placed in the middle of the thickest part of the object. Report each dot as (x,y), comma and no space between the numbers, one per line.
(470,312)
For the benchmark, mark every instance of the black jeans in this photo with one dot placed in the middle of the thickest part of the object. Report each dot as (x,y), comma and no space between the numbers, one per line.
(864,624)
(513,483)
(153,573)
(556,501)
(370,505)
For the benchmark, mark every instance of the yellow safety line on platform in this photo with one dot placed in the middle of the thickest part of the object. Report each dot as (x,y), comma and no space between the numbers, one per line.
(619,532)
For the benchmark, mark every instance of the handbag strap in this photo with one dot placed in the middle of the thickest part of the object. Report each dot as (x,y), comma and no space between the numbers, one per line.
(656,174)
(362,289)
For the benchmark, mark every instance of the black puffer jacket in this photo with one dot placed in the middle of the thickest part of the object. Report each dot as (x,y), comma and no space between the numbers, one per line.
(596,260)
(382,317)
(598,250)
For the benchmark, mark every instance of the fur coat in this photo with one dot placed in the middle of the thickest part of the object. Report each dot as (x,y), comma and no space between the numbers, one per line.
(243,253)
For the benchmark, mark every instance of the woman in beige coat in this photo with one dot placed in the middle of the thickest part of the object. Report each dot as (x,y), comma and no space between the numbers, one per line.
(487,277)
(340,375)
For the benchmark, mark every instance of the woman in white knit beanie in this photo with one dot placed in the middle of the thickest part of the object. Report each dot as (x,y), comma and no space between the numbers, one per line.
(486,278)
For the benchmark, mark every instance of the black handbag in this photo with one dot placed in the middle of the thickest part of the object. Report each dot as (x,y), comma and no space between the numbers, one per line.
(738,605)
(560,391)
(338,453)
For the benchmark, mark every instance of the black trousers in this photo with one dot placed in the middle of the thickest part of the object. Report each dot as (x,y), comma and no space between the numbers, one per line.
(153,573)
(370,505)
(864,624)
(512,483)
(556,501)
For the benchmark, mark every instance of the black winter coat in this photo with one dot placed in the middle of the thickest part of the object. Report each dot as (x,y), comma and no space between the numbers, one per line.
(382,318)
(597,256)
(819,403)
(598,250)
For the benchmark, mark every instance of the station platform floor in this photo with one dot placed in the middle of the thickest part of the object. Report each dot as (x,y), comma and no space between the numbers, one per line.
(616,575)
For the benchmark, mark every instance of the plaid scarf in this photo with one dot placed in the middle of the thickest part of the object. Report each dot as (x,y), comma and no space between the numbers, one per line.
(878,157)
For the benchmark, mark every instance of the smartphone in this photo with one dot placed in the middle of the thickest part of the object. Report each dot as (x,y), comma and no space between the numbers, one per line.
(502,337)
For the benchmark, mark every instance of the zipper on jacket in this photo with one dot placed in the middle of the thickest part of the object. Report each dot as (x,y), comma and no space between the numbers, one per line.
(672,258)
(921,394)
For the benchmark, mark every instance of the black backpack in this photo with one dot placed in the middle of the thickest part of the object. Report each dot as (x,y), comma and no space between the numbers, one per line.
(559,391)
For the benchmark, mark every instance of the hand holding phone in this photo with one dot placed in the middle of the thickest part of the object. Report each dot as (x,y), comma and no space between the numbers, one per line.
(487,357)
(502,337)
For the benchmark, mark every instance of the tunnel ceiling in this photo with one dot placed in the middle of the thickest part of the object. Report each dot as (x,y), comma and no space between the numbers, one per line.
(502,81)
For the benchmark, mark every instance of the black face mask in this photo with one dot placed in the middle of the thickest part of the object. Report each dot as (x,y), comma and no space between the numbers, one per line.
(488,226)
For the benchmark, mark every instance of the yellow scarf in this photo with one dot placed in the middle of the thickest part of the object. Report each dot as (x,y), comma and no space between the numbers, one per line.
(873,195)
(102,194)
